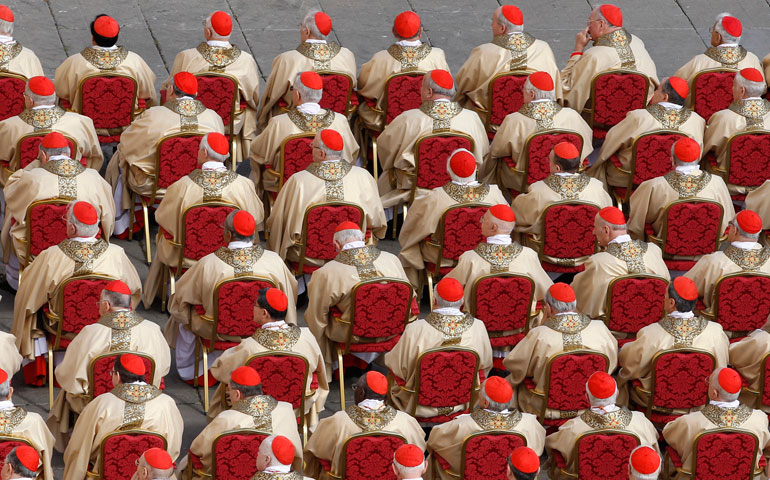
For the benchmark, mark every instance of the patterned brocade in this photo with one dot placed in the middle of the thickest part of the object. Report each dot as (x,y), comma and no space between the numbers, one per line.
(278,340)
(442,113)
(120,323)
(362,258)
(320,53)
(620,40)
(218,57)
(241,259)
(671,118)
(466,193)
(569,325)
(727,56)
(495,420)
(619,419)
(753,110)
(371,420)
(517,44)
(105,59)
(212,182)
(332,174)
(311,123)
(7,53)
(749,260)
(135,396)
(499,257)
(67,170)
(409,57)
(10,418)
(260,408)
(684,330)
(541,112)
(630,252)
(452,326)
(42,118)
(687,185)
(277,476)
(83,254)
(188,110)
(568,187)
(727,417)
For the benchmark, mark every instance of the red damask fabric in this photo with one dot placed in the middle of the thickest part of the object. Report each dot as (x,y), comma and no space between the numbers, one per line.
(693,229)
(370,457)
(568,231)
(381,309)
(103,374)
(81,304)
(744,303)
(431,157)
(765,400)
(108,101)
(236,307)
(503,302)
(446,378)
(462,230)
(297,155)
(236,455)
(538,149)
(636,303)
(507,97)
(724,455)
(712,92)
(283,377)
(403,94)
(122,451)
(617,94)
(335,93)
(748,160)
(11,97)
(679,380)
(486,456)
(217,93)
(605,457)
(653,156)
(204,230)
(5,449)
(47,227)
(385,346)
(178,157)
(321,222)
(28,150)
(569,374)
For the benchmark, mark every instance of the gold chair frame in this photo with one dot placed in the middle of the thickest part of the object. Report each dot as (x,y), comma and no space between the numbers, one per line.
(591,110)
(661,240)
(8,437)
(234,111)
(343,460)
(90,395)
(693,82)
(23,262)
(349,108)
(530,314)
(137,431)
(713,313)
(540,244)
(484,112)
(698,437)
(282,165)
(605,317)
(193,472)
(576,451)
(759,394)
(135,96)
(41,134)
(464,450)
(725,172)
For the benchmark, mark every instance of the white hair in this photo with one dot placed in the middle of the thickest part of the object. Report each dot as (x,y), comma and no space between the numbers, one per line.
(330,154)
(56,151)
(442,303)
(453,176)
(408,472)
(210,152)
(602,402)
(496,406)
(350,235)
(214,34)
(558,305)
(6,28)
(742,233)
(540,94)
(612,226)
(40,100)
(116,299)
(678,162)
(726,37)
(724,395)
(81,229)
(5,389)
(753,89)
(157,473)
(429,83)
(510,27)
(308,94)
(643,476)
(309,23)
(266,449)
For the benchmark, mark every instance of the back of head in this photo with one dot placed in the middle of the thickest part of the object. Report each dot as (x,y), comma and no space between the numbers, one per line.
(371,386)
(216,146)
(541,85)
(684,293)
(130,368)
(348,232)
(409,462)
(247,381)
(309,85)
(331,143)
(6,21)
(407,25)
(561,298)
(54,145)
(729,28)
(725,385)
(448,293)
(241,226)
(752,82)
(41,91)
(280,452)
(748,226)
(318,23)
(461,166)
(84,218)
(567,157)
(5,385)
(676,89)
(511,18)
(117,294)
(497,393)
(158,463)
(644,463)
(274,301)
(441,82)
(105,30)
(221,26)
(601,389)
(24,460)
(524,463)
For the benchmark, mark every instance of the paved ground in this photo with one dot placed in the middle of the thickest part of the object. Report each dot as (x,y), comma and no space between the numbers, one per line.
(673,31)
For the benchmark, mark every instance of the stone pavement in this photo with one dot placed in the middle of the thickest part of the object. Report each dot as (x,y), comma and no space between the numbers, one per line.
(673,31)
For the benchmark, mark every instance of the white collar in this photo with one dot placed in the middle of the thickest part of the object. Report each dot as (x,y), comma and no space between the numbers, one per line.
(471,183)
(371,404)
(6,404)
(500,239)
(678,314)
(330,161)
(670,105)
(607,409)
(745,245)
(236,244)
(184,97)
(84,239)
(728,44)
(409,43)
(309,108)
(566,174)
(38,107)
(442,100)
(315,40)
(752,98)
(691,169)
(540,100)
(106,49)
(137,383)
(274,326)
(278,469)
(495,411)
(571,312)
(218,43)
(448,311)
(733,404)
(22,478)
(213,165)
(53,158)
(621,238)
(6,39)
(354,244)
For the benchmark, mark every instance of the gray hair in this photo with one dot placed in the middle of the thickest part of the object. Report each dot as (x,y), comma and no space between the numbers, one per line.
(601,16)
(56,151)
(510,27)
(429,83)
(6,28)
(559,306)
(81,229)
(157,473)
(266,449)
(5,388)
(307,94)
(309,23)
(726,37)
(229,227)
(452,175)
(18,467)
(602,402)
(330,154)
(677,162)
(673,95)
(349,235)
(642,476)
(753,89)
(408,472)
(723,394)
(210,152)
(214,34)
(40,99)
(496,406)
(539,94)
(117,299)
(442,303)
(611,225)
(742,233)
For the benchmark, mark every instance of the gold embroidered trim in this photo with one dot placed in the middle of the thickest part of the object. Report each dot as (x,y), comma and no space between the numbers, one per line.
(83,253)
(620,40)
(753,110)
(517,44)
(498,256)
(749,260)
(11,418)
(541,112)
(727,417)
(687,185)
(684,330)
(371,420)
(320,53)
(311,123)
(495,420)
(188,110)
(66,169)
(120,324)
(278,340)
(241,259)
(331,173)
(362,258)
(570,325)
(7,53)
(277,476)
(135,396)
(452,326)
(619,419)
(670,118)
(218,57)
(212,182)
(105,59)
(568,187)
(442,113)
(727,56)
(630,252)
(466,193)
(42,118)
(260,408)
(410,57)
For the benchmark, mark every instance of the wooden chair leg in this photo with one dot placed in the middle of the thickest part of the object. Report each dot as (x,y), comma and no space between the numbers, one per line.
(341,371)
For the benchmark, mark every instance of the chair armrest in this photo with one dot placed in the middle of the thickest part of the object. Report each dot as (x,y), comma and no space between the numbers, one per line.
(657,241)
(273,172)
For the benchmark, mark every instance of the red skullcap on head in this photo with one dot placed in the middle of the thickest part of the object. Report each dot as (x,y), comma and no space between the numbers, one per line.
(276,299)
(133,363)
(347,226)
(562,292)
(409,456)
(28,457)
(752,75)
(442,78)
(186,82)
(283,449)
(218,143)
(512,14)
(601,385)
(732,26)
(749,221)
(449,289)
(502,212)
(407,24)
(541,81)
(462,163)
(524,459)
(158,458)
(686,288)
(221,23)
(41,86)
(85,213)
(246,376)
(566,150)
(498,390)
(729,380)
(54,140)
(687,150)
(118,287)
(6,13)
(323,22)
(645,460)
(332,139)
(680,86)
(311,80)
(243,223)
(106,26)
(377,382)
(3,375)
(612,14)
(612,215)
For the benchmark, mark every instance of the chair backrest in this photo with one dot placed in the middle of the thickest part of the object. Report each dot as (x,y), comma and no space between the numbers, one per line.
(176,156)
(8,443)
(568,229)
(381,307)
(692,227)
(725,453)
(431,153)
(234,300)
(12,88)
(108,99)
(203,229)
(296,155)
(27,148)
(219,92)
(539,146)
(79,299)
(503,301)
(505,96)
(459,230)
(369,456)
(337,91)
(319,224)
(712,91)
(446,377)
(234,453)
(284,375)
(485,454)
(634,301)
(614,93)
(764,382)
(603,454)
(651,155)
(566,377)
(742,301)
(120,450)
(678,378)
(747,163)
(402,93)
(46,225)
(100,372)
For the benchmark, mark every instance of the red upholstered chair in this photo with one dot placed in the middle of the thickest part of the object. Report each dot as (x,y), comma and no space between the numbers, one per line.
(220,92)
(761,396)
(12,88)
(431,153)
(633,302)
(678,376)
(100,372)
(45,227)
(504,96)
(27,148)
(712,91)
(381,309)
(650,158)
(741,302)
(176,155)
(567,236)
(318,226)
(8,443)
(337,92)
(601,455)
(120,450)
(109,100)
(537,149)
(368,456)
(747,164)
(233,455)
(296,155)
(614,93)
(718,454)
(691,228)
(485,454)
